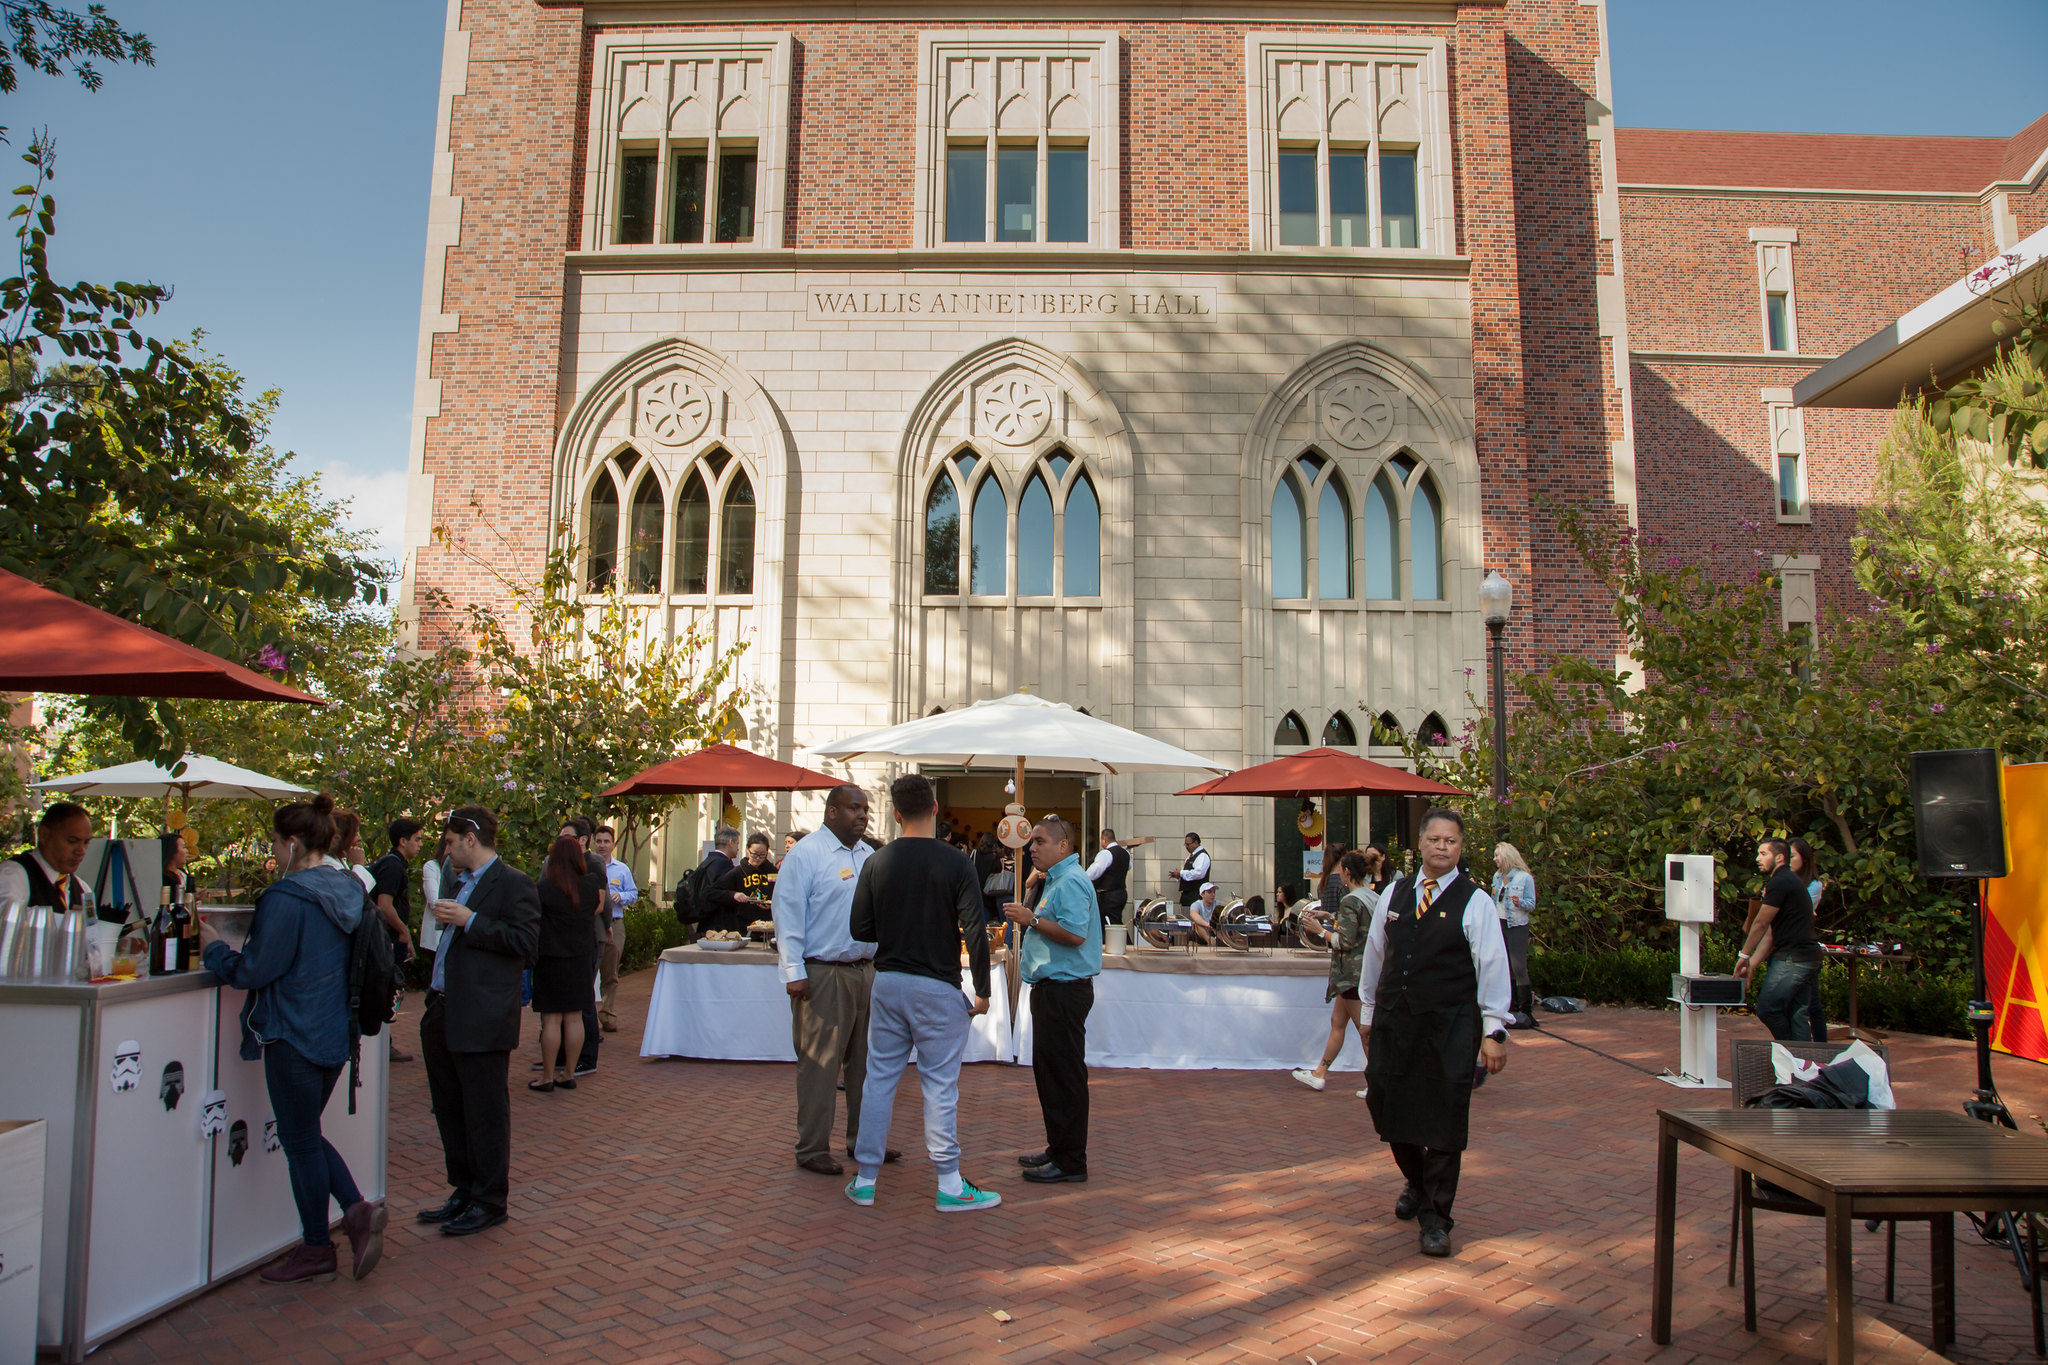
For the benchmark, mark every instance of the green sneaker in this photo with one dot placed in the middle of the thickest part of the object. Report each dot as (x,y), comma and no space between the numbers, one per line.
(968,1199)
(863,1195)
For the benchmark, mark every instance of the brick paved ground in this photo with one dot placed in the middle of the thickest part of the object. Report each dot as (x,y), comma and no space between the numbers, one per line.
(1232,1216)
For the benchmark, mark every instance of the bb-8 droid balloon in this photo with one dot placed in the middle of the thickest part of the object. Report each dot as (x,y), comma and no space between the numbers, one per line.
(1014,829)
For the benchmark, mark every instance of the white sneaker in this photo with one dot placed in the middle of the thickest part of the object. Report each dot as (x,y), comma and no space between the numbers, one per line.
(1308,1078)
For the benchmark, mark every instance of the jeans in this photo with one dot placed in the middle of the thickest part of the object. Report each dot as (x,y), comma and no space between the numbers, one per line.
(298,1095)
(1782,1001)
(907,1011)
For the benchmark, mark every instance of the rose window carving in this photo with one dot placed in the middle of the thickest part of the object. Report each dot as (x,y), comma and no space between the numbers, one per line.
(1014,412)
(673,411)
(1358,415)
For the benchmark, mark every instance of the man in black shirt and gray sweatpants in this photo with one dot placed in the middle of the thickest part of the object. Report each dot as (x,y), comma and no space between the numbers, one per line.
(916,900)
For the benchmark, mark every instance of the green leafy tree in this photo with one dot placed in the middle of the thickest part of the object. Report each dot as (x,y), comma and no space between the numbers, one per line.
(123,476)
(584,694)
(2011,419)
(47,38)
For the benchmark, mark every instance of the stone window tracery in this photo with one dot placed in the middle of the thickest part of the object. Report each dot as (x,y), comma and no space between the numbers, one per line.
(1403,534)
(684,527)
(1350,141)
(1056,549)
(1018,138)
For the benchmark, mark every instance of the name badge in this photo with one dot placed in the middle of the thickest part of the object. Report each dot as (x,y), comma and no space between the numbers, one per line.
(845,873)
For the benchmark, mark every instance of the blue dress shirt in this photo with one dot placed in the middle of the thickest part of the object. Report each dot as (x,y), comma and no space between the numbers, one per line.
(813,904)
(469,881)
(1069,901)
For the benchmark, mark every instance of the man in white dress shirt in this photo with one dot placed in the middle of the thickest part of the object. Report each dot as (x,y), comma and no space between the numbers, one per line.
(1111,873)
(828,973)
(620,892)
(1432,995)
(1194,871)
(48,873)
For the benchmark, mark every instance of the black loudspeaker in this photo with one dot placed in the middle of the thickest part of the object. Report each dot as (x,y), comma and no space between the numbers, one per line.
(1959,813)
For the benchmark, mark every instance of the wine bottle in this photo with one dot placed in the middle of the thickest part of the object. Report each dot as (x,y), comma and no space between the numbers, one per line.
(163,940)
(185,918)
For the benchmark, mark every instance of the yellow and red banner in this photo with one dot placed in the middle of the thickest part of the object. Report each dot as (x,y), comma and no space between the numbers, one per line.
(2016,927)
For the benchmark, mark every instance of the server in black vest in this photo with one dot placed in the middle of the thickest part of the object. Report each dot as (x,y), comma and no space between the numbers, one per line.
(1111,873)
(1433,994)
(48,873)
(1194,871)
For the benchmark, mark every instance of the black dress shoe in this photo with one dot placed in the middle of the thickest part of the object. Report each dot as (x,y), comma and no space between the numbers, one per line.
(454,1206)
(890,1156)
(1409,1204)
(1436,1241)
(1051,1174)
(822,1165)
(1035,1159)
(473,1219)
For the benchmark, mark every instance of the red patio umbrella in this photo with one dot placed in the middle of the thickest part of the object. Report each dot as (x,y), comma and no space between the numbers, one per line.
(721,768)
(52,643)
(1321,772)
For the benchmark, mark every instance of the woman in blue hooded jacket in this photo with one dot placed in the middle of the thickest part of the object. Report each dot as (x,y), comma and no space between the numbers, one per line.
(294,967)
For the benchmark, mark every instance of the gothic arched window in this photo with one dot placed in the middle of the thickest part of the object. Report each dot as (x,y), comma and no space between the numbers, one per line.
(1333,541)
(1312,552)
(1083,540)
(1382,544)
(1426,542)
(1433,731)
(1290,540)
(602,545)
(643,545)
(942,537)
(1034,540)
(1290,733)
(990,548)
(692,572)
(736,537)
(1337,732)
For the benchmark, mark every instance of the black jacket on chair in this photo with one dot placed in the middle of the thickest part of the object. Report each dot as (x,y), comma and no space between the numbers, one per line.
(486,959)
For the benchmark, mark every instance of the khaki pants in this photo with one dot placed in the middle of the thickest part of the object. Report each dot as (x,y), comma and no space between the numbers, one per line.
(608,971)
(830,1031)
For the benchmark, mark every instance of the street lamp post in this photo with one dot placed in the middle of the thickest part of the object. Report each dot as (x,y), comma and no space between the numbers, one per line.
(1496,600)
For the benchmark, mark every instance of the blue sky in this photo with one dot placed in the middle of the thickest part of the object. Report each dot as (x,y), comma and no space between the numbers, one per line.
(272,167)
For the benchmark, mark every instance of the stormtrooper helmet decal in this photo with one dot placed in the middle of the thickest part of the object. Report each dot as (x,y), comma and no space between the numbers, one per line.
(172,1088)
(213,1116)
(127,1066)
(270,1142)
(238,1141)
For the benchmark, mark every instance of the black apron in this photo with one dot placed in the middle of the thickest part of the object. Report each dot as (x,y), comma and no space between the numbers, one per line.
(1426,1022)
(1190,892)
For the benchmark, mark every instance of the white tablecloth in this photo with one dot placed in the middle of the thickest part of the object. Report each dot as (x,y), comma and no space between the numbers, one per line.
(739,1012)
(1171,1021)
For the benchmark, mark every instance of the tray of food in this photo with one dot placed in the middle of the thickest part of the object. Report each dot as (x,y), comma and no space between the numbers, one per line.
(721,940)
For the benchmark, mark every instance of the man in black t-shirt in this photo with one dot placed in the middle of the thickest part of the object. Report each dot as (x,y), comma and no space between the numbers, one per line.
(918,901)
(390,878)
(1786,922)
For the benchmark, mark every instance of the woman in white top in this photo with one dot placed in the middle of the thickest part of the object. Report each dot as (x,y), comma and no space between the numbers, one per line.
(430,883)
(1514,892)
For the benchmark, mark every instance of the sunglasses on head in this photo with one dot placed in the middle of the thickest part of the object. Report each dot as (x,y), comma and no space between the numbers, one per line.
(462,824)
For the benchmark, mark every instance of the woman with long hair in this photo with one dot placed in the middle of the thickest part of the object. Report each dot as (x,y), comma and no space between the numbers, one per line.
(1347,924)
(563,978)
(433,876)
(294,966)
(1514,895)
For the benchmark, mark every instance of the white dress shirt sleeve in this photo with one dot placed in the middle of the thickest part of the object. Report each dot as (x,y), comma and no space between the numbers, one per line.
(1099,866)
(792,890)
(1489,958)
(1199,873)
(1375,958)
(13,882)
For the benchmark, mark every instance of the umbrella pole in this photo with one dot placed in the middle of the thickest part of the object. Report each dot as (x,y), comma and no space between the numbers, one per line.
(1013,970)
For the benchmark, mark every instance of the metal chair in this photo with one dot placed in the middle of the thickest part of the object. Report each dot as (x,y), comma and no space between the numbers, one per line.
(1750,1061)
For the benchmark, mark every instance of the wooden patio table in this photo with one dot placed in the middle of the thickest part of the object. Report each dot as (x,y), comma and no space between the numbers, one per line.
(1859,1163)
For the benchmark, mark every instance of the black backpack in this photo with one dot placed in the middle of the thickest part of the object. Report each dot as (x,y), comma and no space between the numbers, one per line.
(372,988)
(690,891)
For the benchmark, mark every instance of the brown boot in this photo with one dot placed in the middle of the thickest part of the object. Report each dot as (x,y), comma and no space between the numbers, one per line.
(364,1224)
(305,1265)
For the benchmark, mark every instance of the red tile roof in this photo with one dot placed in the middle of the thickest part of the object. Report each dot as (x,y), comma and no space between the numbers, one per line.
(2025,148)
(1819,161)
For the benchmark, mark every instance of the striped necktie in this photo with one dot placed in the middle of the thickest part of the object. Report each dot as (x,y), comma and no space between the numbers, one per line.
(1422,902)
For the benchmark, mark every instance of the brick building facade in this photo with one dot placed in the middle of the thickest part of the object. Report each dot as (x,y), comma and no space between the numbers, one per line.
(1185,362)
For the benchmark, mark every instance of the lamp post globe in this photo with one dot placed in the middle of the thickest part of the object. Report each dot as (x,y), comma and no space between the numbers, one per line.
(1496,602)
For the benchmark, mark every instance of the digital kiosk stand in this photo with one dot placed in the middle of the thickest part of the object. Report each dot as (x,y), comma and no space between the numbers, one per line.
(1689,899)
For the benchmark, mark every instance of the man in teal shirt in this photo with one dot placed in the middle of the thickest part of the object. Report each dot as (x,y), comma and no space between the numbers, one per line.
(1061,957)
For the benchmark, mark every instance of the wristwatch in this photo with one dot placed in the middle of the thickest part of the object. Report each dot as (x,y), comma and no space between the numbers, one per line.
(1499,1035)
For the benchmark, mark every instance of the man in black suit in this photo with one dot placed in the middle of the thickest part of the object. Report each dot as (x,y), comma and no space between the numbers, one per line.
(491,936)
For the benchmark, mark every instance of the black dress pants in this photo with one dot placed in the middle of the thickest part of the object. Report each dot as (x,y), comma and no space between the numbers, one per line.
(1434,1173)
(473,1110)
(1059,1066)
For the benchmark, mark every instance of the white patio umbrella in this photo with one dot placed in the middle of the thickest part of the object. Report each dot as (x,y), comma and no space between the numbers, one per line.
(204,779)
(1023,731)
